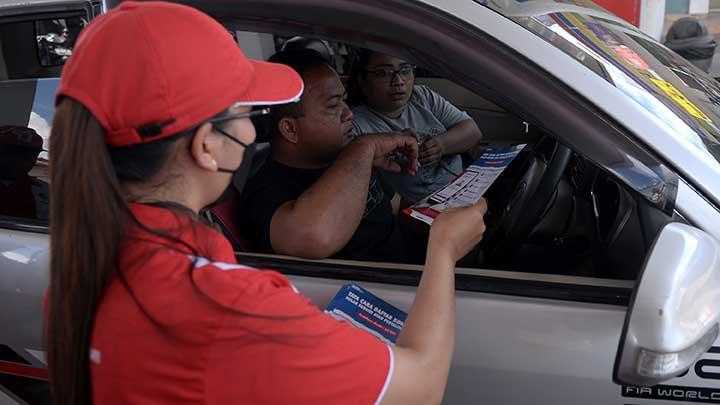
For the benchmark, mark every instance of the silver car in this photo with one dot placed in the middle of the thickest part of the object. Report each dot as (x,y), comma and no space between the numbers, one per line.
(598,281)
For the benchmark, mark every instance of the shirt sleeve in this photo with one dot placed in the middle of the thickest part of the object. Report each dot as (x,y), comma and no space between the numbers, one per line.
(274,346)
(443,110)
(365,122)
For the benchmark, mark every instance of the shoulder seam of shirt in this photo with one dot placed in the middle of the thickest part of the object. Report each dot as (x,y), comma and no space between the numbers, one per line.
(420,91)
(200,262)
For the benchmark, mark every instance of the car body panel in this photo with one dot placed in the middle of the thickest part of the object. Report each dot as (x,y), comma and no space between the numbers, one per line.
(503,356)
(24,258)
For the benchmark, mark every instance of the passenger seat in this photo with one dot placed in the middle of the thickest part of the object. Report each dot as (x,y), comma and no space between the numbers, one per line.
(3,68)
(227,214)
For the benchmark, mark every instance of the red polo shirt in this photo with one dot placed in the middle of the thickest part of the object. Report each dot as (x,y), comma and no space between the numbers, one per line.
(195,327)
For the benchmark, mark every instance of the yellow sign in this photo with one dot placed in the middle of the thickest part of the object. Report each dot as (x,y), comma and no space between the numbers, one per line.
(680,99)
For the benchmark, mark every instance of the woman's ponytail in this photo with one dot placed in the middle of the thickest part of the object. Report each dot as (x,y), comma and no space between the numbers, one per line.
(87,219)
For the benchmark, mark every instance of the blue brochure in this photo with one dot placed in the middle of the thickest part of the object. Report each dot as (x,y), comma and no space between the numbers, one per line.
(366,311)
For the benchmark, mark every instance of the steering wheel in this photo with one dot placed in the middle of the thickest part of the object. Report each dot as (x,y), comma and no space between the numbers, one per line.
(530,186)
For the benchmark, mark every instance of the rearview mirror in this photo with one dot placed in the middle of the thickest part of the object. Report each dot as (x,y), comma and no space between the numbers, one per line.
(56,39)
(674,314)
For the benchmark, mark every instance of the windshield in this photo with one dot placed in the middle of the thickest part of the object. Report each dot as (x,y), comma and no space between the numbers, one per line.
(665,84)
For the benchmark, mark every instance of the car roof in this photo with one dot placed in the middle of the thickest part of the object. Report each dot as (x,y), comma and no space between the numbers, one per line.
(20,7)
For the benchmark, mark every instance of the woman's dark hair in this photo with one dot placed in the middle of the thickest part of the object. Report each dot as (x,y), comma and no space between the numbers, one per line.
(89,217)
(87,220)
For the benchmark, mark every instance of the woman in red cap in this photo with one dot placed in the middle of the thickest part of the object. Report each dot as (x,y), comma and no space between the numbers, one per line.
(146,304)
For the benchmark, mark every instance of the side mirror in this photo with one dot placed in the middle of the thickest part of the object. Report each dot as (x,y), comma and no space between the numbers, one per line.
(674,314)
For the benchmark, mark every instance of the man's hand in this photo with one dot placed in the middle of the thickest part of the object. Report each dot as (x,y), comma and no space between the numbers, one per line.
(394,151)
(431,151)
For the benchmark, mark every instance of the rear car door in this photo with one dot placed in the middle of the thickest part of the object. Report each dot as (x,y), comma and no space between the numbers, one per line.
(35,40)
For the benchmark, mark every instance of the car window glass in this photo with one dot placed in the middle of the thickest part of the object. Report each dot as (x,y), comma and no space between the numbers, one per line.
(24,193)
(56,38)
(665,84)
(36,48)
(24,140)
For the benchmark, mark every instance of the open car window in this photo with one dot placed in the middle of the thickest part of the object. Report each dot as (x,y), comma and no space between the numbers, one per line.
(602,217)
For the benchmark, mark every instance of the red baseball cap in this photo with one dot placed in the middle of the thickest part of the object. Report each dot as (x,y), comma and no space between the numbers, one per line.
(150,69)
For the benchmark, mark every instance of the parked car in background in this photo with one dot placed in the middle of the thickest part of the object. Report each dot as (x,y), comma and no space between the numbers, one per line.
(598,279)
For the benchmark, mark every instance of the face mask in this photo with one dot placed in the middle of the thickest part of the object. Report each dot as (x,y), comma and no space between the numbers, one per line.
(241,174)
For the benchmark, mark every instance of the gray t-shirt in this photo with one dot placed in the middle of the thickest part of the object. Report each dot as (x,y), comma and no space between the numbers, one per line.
(430,115)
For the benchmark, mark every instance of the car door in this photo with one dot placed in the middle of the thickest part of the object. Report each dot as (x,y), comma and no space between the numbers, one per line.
(520,337)
(35,40)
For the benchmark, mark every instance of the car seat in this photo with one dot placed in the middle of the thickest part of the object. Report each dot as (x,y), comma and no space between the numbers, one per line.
(3,69)
(227,214)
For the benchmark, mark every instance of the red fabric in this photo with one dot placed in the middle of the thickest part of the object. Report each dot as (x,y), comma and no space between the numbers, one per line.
(222,333)
(627,9)
(227,215)
(160,63)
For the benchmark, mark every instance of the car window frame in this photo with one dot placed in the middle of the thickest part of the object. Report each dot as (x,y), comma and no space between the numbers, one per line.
(509,283)
(578,110)
(43,10)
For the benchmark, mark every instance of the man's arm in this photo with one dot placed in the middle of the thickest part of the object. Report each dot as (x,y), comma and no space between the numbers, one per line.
(458,139)
(323,219)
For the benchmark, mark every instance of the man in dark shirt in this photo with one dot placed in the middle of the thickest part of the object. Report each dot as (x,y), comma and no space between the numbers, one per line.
(316,196)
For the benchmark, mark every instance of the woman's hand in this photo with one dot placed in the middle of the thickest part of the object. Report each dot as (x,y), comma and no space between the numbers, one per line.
(455,232)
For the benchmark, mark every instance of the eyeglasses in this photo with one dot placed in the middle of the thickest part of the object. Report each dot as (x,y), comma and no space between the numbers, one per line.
(387,74)
(237,116)
(255,113)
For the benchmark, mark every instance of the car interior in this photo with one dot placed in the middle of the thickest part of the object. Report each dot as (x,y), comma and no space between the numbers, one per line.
(552,211)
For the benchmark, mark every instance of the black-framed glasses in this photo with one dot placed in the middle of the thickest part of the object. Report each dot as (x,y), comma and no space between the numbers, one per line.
(225,118)
(388,74)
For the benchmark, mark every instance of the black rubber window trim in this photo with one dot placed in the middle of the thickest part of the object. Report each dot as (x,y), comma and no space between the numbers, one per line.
(24,225)
(580,293)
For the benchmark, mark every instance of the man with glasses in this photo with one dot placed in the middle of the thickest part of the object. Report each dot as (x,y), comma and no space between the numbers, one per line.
(390,101)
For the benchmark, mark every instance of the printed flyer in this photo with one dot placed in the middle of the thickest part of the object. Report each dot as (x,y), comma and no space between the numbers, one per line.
(469,187)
